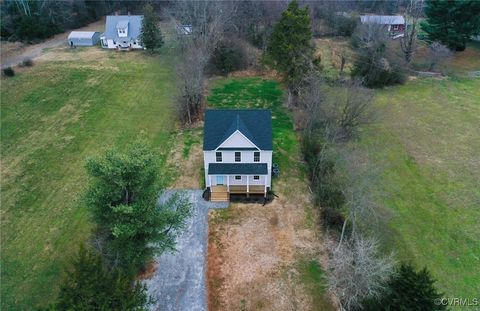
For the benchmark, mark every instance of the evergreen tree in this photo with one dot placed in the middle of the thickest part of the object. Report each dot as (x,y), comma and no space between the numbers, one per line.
(452,22)
(290,46)
(123,196)
(150,36)
(408,290)
(91,286)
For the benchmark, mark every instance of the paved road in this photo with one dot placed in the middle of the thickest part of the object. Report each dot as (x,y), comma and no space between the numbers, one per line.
(179,282)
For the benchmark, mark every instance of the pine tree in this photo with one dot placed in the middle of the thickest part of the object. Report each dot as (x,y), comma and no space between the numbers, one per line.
(89,285)
(452,22)
(123,194)
(408,290)
(290,46)
(150,36)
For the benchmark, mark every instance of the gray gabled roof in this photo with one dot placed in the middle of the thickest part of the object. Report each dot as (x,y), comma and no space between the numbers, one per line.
(237,169)
(382,19)
(134,23)
(82,34)
(255,124)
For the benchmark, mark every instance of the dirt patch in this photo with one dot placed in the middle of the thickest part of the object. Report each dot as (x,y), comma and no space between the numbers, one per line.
(253,254)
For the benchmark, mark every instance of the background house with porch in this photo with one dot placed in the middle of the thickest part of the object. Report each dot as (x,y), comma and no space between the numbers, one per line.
(237,152)
(122,32)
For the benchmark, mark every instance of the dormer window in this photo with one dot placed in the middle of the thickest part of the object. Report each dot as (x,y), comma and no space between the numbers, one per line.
(122,28)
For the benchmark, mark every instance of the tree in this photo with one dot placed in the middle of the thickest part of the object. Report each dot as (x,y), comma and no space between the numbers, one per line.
(290,46)
(407,289)
(209,20)
(89,285)
(452,22)
(374,63)
(150,36)
(357,271)
(408,42)
(123,192)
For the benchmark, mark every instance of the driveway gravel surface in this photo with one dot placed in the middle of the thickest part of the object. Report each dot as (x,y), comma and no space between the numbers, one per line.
(179,280)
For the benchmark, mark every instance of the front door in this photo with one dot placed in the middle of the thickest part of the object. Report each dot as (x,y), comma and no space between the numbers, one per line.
(220,180)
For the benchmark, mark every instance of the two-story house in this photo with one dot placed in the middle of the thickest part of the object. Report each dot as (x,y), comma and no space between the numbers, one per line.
(237,152)
(122,32)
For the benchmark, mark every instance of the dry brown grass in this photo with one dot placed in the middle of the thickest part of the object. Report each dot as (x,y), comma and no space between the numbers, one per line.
(254,250)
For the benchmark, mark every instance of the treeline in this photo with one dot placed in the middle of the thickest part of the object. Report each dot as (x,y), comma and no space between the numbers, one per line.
(32,20)
(330,113)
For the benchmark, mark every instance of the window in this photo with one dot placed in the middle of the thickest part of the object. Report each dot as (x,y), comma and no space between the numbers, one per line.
(238,156)
(256,177)
(256,156)
(218,156)
(238,177)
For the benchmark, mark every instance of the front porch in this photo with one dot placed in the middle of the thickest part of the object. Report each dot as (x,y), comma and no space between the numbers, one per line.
(222,192)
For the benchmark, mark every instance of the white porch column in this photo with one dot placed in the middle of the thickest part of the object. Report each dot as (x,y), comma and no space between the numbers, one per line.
(265,191)
(248,186)
(210,181)
(228,183)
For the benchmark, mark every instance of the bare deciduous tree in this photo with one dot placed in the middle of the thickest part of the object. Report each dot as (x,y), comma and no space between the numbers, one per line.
(357,270)
(438,54)
(190,72)
(409,41)
(340,111)
(209,20)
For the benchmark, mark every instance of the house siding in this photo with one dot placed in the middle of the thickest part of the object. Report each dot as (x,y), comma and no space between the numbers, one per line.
(246,157)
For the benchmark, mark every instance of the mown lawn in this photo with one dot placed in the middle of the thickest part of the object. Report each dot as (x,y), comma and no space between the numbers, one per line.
(427,146)
(53,117)
(259,93)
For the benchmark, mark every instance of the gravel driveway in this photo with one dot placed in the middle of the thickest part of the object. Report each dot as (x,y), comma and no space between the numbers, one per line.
(179,282)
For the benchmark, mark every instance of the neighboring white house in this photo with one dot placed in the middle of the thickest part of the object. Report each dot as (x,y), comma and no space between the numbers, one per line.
(122,32)
(83,38)
(237,151)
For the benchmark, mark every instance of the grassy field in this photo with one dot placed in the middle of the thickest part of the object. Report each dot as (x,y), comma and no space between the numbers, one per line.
(427,144)
(53,116)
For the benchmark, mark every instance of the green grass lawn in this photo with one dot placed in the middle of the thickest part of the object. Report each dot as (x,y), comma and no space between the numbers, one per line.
(258,93)
(427,143)
(53,116)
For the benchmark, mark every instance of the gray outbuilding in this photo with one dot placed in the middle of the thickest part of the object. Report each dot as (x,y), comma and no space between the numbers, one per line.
(83,38)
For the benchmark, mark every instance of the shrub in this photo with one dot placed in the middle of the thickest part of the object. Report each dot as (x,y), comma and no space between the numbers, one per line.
(326,189)
(230,55)
(377,69)
(8,72)
(27,63)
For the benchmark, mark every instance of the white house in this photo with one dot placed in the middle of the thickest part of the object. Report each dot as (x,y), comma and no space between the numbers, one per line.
(122,32)
(237,152)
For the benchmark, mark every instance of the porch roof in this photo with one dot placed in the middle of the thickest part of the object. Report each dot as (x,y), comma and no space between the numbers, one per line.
(237,169)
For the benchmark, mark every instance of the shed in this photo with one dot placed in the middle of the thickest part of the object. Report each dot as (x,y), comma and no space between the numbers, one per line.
(83,38)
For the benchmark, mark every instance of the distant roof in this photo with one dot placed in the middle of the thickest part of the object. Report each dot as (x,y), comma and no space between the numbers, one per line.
(382,19)
(81,34)
(134,23)
(237,169)
(255,124)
